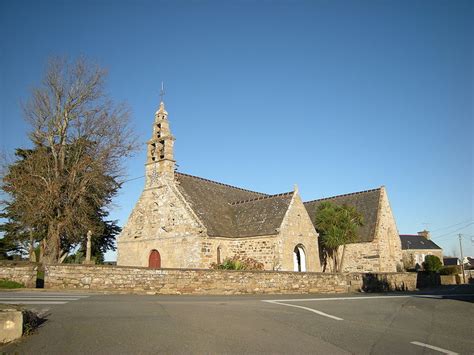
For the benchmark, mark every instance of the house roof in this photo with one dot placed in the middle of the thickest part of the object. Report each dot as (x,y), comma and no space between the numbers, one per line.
(447,260)
(229,211)
(414,241)
(365,202)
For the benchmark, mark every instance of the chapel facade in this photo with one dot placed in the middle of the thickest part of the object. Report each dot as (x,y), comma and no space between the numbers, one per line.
(184,221)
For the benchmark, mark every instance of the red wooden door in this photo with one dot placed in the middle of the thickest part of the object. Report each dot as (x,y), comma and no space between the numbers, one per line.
(154,261)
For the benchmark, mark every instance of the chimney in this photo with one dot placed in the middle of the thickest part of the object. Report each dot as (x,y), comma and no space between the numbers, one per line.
(424,233)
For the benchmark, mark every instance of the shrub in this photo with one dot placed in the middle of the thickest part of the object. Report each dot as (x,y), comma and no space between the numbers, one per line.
(236,263)
(450,270)
(10,284)
(232,264)
(432,263)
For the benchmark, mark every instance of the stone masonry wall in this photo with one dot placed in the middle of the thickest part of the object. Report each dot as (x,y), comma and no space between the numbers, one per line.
(274,251)
(361,257)
(390,245)
(297,229)
(410,256)
(161,220)
(384,253)
(209,282)
(381,282)
(260,248)
(19,272)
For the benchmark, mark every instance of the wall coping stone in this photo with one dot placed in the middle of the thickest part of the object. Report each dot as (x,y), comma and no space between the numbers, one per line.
(225,271)
(212,282)
(16,263)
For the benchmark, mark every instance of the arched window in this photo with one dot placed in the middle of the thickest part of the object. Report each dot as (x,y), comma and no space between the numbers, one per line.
(154,260)
(299,258)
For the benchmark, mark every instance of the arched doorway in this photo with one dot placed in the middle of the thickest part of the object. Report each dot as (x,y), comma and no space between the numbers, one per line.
(154,261)
(299,259)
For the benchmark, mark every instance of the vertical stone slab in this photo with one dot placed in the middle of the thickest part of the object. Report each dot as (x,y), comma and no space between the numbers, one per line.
(11,325)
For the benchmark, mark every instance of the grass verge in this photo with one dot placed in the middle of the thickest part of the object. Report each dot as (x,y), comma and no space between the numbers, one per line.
(10,284)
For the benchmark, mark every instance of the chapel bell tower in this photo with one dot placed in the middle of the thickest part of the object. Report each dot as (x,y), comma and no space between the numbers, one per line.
(160,157)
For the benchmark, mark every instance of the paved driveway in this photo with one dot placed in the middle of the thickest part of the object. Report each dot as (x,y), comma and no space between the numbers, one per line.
(360,324)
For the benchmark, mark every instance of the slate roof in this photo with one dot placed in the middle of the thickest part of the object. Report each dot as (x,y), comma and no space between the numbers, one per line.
(449,261)
(414,241)
(261,216)
(229,211)
(365,202)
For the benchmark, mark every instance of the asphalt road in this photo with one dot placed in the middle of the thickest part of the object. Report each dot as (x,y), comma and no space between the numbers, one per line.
(79,323)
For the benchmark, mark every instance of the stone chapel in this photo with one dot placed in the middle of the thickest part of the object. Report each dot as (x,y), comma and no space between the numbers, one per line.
(184,221)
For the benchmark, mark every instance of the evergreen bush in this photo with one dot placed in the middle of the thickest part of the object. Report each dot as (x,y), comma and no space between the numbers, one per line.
(432,263)
(450,270)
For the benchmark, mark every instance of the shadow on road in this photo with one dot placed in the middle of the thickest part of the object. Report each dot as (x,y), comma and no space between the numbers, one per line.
(463,293)
(32,321)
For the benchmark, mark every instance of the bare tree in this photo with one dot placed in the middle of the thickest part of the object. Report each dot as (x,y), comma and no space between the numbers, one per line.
(80,139)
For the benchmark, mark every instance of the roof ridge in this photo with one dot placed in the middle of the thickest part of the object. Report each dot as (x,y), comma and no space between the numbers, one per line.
(220,183)
(342,195)
(261,198)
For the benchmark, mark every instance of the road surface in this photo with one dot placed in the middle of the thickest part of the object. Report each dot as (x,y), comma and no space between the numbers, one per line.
(81,323)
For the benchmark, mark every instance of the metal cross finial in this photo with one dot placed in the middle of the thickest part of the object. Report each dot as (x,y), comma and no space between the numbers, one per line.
(162,92)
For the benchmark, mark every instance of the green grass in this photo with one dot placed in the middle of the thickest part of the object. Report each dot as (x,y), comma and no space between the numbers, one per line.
(10,284)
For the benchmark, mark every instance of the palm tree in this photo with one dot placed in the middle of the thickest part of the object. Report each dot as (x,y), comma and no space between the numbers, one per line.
(337,226)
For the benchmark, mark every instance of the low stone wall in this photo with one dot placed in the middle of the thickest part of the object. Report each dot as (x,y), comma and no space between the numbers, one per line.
(24,273)
(427,279)
(209,282)
(450,279)
(382,281)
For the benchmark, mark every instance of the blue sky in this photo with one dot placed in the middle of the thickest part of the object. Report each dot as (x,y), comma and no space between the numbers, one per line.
(335,96)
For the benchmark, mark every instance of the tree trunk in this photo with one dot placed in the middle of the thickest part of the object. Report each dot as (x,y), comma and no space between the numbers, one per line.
(63,256)
(41,250)
(32,248)
(342,257)
(51,249)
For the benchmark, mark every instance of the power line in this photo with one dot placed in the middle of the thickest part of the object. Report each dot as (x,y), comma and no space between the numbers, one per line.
(135,178)
(448,234)
(445,237)
(453,225)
